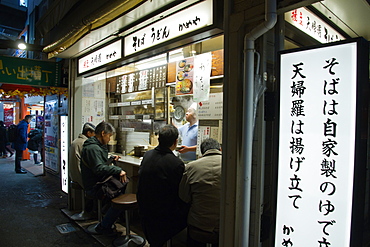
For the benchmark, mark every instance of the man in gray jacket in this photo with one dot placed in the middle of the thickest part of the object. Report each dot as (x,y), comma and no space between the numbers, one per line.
(88,131)
(201,187)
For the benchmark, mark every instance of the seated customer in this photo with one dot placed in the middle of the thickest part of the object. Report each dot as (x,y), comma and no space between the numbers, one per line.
(94,156)
(201,187)
(163,213)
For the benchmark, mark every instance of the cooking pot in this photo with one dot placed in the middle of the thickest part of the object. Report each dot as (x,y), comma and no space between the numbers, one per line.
(139,151)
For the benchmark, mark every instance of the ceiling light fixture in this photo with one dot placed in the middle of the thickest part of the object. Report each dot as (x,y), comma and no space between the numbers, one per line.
(21,43)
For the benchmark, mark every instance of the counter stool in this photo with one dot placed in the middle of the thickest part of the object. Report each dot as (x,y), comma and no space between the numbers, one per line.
(127,202)
(83,215)
(203,237)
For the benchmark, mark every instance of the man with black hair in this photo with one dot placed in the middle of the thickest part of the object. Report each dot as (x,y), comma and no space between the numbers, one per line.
(201,187)
(20,142)
(163,213)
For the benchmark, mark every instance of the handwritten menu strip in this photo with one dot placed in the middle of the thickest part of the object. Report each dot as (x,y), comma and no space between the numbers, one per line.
(142,80)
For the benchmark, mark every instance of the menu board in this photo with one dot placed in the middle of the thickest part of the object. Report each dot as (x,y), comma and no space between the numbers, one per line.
(142,80)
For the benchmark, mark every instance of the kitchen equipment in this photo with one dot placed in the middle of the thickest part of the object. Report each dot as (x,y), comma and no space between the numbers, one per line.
(139,151)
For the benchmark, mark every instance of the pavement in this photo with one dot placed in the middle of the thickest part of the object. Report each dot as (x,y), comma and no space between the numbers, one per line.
(34,212)
(30,211)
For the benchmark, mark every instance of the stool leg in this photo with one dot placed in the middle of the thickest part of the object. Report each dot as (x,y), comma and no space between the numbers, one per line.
(127,225)
(100,215)
(168,243)
(83,200)
(129,240)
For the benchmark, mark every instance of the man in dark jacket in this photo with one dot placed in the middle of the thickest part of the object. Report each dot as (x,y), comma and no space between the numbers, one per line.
(94,169)
(20,142)
(3,140)
(34,144)
(163,213)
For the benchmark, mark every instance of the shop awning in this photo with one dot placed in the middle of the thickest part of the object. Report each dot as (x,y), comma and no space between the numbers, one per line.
(99,14)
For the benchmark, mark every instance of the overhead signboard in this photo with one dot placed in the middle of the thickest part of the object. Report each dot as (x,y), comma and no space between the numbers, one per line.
(319,145)
(14,70)
(103,56)
(312,25)
(188,20)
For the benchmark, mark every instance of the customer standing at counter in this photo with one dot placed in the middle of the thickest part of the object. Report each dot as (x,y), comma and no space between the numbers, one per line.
(20,142)
(163,213)
(189,134)
(201,187)
(94,169)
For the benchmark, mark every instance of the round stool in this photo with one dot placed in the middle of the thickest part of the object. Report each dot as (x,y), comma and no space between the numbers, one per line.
(127,202)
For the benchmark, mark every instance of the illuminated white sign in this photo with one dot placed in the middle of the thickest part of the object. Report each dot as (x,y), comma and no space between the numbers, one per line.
(312,25)
(100,57)
(64,152)
(178,24)
(212,108)
(316,146)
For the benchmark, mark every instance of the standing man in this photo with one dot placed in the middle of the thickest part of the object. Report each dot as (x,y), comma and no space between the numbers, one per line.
(201,187)
(163,213)
(20,142)
(189,134)
(3,140)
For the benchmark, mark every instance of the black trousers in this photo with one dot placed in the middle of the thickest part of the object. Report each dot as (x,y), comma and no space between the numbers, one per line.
(18,158)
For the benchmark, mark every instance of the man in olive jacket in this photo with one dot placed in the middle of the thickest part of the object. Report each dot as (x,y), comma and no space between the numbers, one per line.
(201,187)
(94,169)
(162,212)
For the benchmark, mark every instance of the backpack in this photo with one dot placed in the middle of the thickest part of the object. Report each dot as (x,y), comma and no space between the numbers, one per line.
(12,133)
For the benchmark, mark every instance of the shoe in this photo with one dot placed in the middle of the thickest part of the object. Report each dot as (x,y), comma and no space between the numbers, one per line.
(97,229)
(11,155)
(21,171)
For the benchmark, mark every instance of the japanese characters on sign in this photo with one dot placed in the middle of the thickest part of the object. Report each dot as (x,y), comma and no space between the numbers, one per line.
(142,80)
(316,146)
(170,27)
(212,108)
(100,57)
(29,72)
(64,152)
(309,23)
(202,77)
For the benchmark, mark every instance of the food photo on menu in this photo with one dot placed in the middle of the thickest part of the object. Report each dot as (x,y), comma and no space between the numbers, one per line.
(184,78)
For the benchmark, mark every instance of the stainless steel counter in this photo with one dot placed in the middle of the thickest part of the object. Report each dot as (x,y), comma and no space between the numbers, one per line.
(130,164)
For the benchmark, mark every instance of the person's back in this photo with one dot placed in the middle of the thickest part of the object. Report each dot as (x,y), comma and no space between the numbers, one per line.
(163,213)
(35,139)
(201,187)
(88,130)
(3,139)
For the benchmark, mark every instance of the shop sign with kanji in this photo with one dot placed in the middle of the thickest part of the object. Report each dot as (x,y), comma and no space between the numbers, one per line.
(31,72)
(319,139)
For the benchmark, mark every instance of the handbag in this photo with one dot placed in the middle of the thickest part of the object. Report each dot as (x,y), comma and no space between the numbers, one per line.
(110,188)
